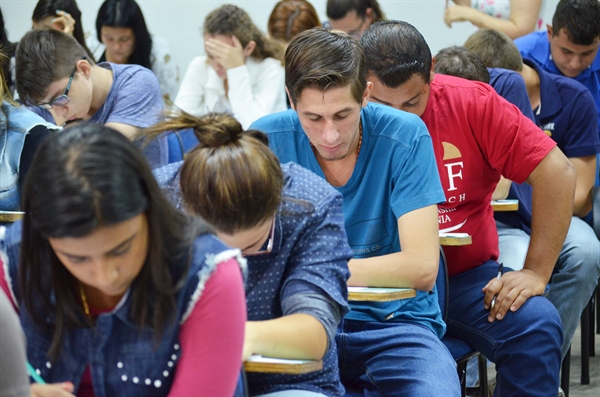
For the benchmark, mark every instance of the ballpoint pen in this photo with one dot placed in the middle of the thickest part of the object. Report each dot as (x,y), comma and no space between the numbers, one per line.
(500,268)
(34,375)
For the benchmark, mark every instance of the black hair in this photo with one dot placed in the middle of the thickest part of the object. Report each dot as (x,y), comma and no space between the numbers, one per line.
(91,176)
(127,14)
(579,18)
(395,51)
(337,9)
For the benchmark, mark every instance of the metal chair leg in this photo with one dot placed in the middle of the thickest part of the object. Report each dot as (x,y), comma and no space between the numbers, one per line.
(565,373)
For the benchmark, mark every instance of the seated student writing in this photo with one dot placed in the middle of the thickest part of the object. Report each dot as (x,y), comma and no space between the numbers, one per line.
(289,225)
(382,162)
(137,289)
(241,72)
(57,79)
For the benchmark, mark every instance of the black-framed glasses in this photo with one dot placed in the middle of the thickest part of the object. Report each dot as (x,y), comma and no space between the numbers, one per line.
(270,242)
(63,99)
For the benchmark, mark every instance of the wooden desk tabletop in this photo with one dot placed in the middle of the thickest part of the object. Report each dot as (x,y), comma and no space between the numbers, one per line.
(380,294)
(455,239)
(10,216)
(262,364)
(505,205)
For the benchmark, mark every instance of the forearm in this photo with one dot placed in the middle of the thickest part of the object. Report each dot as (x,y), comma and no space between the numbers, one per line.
(295,336)
(552,209)
(508,27)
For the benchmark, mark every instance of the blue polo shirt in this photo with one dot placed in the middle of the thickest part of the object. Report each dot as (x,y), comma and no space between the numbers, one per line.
(395,173)
(535,46)
(511,86)
(568,115)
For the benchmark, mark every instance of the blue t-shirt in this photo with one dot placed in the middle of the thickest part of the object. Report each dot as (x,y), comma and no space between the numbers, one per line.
(567,114)
(535,46)
(395,173)
(134,99)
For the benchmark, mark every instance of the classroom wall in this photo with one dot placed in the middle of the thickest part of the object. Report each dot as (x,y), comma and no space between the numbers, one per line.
(180,21)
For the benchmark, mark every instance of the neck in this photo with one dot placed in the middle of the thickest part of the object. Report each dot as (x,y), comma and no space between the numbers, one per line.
(338,172)
(532,83)
(97,299)
(102,80)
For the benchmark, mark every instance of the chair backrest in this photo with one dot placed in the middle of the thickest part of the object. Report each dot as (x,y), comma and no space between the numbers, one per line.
(442,283)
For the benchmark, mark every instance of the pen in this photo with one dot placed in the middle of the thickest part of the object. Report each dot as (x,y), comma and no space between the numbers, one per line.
(500,268)
(34,375)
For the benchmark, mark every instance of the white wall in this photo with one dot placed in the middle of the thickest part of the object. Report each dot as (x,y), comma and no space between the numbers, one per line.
(180,21)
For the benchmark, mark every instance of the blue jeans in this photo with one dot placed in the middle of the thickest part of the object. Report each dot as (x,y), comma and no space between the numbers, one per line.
(394,359)
(575,274)
(525,345)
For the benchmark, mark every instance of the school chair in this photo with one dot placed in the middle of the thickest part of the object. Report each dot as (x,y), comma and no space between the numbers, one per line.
(180,143)
(460,350)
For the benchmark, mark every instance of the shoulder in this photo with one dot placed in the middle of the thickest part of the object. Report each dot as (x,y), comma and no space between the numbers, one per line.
(531,40)
(301,183)
(451,88)
(267,63)
(382,121)
(286,121)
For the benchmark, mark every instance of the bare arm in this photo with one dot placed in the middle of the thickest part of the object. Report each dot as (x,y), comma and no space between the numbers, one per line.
(586,172)
(553,182)
(502,189)
(415,266)
(128,130)
(296,336)
(523,17)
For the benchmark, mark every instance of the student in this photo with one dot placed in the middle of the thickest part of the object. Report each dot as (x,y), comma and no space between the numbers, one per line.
(241,73)
(63,15)
(139,289)
(353,16)
(516,18)
(382,162)
(565,110)
(570,46)
(14,381)
(21,132)
(121,27)
(289,225)
(290,17)
(57,80)
(521,332)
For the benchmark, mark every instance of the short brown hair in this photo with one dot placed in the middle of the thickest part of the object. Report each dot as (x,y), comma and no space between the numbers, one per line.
(460,62)
(495,49)
(43,57)
(321,59)
(290,17)
(231,179)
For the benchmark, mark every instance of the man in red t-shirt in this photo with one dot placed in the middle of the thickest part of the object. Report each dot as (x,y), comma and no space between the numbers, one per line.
(477,137)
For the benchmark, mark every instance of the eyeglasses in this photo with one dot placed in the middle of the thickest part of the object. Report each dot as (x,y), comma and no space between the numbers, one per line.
(63,99)
(269,248)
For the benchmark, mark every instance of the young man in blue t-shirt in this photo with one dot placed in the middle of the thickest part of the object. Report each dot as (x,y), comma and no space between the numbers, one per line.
(382,162)
(565,110)
(58,81)
(570,47)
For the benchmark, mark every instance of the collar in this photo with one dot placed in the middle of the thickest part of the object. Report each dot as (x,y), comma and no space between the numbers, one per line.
(550,101)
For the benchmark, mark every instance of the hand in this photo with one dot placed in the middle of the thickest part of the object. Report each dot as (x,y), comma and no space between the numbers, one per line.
(64,22)
(64,389)
(511,291)
(248,345)
(457,14)
(226,55)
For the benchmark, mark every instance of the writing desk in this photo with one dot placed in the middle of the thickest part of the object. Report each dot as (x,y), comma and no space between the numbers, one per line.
(455,239)
(380,294)
(257,363)
(10,216)
(505,205)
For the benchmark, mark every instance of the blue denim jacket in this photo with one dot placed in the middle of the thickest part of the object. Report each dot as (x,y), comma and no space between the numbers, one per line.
(15,124)
(123,360)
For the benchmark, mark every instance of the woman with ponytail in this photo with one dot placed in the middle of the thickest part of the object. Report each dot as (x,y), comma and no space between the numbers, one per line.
(242,71)
(289,225)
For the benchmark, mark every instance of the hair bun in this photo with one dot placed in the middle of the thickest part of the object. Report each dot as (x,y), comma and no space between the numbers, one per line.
(218,129)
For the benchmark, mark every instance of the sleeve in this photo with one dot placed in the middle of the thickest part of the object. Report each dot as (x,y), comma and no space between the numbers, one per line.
(191,96)
(14,380)
(250,100)
(165,69)
(319,258)
(33,140)
(511,143)
(582,137)
(139,101)
(212,337)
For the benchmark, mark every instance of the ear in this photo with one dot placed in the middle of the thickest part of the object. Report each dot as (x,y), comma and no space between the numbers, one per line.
(84,67)
(549,28)
(431,72)
(290,98)
(249,49)
(366,94)
(370,15)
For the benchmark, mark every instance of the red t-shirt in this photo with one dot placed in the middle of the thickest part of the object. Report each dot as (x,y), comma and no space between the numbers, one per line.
(477,136)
